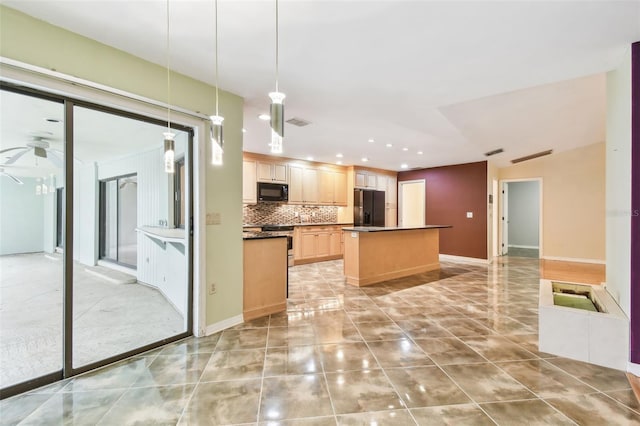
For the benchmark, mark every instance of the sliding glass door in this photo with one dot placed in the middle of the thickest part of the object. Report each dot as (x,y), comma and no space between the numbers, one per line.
(95,259)
(135,290)
(31,271)
(118,220)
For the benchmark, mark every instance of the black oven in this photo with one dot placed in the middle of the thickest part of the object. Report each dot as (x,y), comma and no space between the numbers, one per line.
(273,192)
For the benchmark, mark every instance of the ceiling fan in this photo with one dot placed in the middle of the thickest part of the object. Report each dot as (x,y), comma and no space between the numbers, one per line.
(41,148)
(12,177)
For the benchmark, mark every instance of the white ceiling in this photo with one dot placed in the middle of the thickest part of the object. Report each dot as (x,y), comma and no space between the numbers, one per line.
(98,136)
(450,79)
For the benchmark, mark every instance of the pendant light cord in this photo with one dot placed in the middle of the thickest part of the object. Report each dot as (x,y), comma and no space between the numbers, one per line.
(168,76)
(216,21)
(277,45)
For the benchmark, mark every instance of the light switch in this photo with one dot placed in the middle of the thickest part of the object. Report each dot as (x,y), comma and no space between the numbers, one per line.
(469,215)
(213,219)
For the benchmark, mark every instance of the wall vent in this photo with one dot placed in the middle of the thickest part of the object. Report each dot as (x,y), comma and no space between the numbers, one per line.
(532,156)
(494,152)
(298,122)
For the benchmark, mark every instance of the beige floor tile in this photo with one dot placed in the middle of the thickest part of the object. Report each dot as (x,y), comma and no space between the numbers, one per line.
(595,409)
(452,415)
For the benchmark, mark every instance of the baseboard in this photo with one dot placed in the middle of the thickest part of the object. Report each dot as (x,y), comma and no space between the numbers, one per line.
(224,324)
(524,247)
(575,259)
(452,258)
(633,369)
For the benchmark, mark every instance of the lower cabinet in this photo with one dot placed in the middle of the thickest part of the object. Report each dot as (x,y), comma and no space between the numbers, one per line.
(316,243)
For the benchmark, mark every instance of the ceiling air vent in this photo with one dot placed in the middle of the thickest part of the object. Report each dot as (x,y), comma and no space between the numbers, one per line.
(298,122)
(494,152)
(532,156)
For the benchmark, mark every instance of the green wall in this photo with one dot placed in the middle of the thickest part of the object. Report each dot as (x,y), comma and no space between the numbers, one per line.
(36,42)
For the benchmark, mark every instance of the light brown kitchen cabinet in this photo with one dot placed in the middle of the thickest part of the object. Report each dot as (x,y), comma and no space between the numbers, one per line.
(317,243)
(366,179)
(340,184)
(271,172)
(332,187)
(323,243)
(335,242)
(303,185)
(249,182)
(391,216)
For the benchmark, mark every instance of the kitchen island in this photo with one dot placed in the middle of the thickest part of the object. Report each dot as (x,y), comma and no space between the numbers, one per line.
(374,254)
(265,274)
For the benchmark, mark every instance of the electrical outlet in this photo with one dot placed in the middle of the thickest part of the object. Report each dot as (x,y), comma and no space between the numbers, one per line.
(212,288)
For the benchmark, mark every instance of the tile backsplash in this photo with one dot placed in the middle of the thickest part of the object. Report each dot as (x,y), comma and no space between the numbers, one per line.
(275,213)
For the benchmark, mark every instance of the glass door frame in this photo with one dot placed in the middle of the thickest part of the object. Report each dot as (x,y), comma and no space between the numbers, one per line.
(102,220)
(68,370)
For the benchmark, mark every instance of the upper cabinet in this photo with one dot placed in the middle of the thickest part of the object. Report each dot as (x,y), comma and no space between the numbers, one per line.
(303,184)
(365,179)
(271,172)
(249,182)
(332,187)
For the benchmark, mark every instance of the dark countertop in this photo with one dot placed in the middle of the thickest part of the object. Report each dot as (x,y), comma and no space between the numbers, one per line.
(300,224)
(261,235)
(393,228)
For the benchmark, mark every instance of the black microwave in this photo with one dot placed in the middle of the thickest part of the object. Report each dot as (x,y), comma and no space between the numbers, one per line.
(273,192)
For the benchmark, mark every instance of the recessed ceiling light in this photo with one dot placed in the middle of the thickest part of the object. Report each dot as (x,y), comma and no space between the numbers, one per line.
(338,162)
(244,130)
(389,145)
(365,159)
(404,166)
(309,158)
(405,149)
(265,117)
(339,155)
(52,120)
(371,141)
(419,152)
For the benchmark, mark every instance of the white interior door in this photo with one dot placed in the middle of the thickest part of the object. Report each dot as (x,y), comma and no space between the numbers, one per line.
(412,203)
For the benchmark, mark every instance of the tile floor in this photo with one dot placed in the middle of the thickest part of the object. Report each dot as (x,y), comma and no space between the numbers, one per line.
(453,347)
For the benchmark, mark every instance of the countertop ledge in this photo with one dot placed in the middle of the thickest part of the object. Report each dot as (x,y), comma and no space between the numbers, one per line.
(393,228)
(169,234)
(260,235)
(300,224)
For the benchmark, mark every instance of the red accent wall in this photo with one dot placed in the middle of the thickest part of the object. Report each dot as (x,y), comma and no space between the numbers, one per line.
(452,191)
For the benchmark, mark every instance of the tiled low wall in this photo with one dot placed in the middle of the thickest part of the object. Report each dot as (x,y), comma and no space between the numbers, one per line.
(595,337)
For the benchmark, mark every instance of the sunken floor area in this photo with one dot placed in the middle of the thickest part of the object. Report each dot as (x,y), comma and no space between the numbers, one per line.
(457,347)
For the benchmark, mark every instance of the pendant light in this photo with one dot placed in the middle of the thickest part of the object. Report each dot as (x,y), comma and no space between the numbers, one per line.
(277,106)
(217,141)
(169,141)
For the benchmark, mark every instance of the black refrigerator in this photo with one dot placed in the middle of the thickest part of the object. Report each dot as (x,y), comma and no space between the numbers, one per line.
(368,207)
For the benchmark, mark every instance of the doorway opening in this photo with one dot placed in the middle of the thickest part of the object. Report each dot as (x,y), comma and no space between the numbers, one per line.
(118,220)
(412,203)
(521,218)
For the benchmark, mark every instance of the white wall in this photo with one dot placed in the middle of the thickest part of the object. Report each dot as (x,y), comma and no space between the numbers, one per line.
(618,184)
(85,214)
(524,214)
(21,217)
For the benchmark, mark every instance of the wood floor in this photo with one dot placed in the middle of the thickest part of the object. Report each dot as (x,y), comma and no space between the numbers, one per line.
(588,273)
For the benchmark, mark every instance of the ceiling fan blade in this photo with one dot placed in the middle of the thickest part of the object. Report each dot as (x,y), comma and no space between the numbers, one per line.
(13,178)
(16,157)
(55,159)
(13,149)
